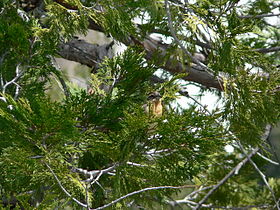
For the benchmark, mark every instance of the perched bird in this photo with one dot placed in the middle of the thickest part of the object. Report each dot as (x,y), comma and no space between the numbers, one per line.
(154,109)
(154,105)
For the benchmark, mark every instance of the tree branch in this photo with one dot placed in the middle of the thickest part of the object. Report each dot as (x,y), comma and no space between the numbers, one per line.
(188,197)
(267,159)
(95,173)
(258,16)
(84,52)
(233,172)
(64,190)
(19,74)
(91,55)
(143,190)
(260,173)
(267,50)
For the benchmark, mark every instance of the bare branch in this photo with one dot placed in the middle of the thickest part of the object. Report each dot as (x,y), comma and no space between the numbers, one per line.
(64,190)
(173,66)
(135,164)
(230,174)
(188,197)
(197,191)
(19,74)
(203,44)
(85,53)
(90,54)
(90,57)
(210,206)
(97,177)
(143,190)
(95,173)
(267,159)
(258,16)
(259,171)
(81,54)
(267,50)
(86,188)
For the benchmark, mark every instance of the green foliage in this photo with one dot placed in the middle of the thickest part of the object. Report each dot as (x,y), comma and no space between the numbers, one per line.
(252,103)
(130,72)
(25,49)
(43,141)
(14,42)
(242,189)
(64,22)
(36,127)
(119,16)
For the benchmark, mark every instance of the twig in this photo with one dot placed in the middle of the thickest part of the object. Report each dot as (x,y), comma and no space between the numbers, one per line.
(97,178)
(61,80)
(13,81)
(264,206)
(260,173)
(143,190)
(17,86)
(186,199)
(95,173)
(265,136)
(198,191)
(266,50)
(197,102)
(230,174)
(267,159)
(64,190)
(85,186)
(210,206)
(135,164)
(258,16)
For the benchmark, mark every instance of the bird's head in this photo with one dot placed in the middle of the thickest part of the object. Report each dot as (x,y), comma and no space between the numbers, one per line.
(154,96)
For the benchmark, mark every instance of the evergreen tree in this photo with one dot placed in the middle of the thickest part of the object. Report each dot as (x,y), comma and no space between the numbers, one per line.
(105,147)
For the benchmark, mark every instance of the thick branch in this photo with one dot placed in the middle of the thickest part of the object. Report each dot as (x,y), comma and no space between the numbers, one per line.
(91,54)
(84,52)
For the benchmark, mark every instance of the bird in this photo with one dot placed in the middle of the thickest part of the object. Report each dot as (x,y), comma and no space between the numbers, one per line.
(154,106)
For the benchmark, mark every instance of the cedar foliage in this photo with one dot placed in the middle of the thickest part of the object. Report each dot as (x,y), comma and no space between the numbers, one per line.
(43,141)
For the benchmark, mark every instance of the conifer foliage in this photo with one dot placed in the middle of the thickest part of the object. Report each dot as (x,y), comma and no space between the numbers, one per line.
(99,148)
